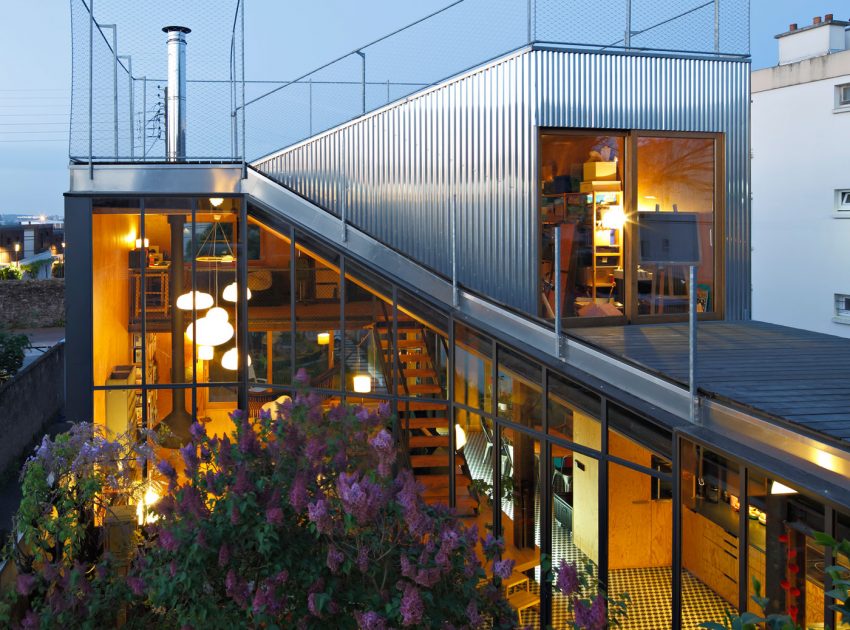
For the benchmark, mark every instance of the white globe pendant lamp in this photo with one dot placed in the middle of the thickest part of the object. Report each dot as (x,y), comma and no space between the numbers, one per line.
(202,301)
(217,314)
(210,332)
(206,353)
(230,359)
(231,292)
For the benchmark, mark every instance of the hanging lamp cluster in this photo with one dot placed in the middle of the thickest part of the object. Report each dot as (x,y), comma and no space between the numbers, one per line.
(214,328)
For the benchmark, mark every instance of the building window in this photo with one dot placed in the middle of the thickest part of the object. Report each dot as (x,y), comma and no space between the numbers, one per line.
(842,308)
(842,96)
(842,201)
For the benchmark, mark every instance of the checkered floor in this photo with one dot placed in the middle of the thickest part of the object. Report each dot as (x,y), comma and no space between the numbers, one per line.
(650,590)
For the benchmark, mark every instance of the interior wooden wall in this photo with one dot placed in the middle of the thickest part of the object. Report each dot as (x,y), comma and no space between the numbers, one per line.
(640,530)
(586,431)
(113,236)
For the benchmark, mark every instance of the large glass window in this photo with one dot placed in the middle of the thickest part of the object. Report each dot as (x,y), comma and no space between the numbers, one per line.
(581,194)
(602,197)
(677,175)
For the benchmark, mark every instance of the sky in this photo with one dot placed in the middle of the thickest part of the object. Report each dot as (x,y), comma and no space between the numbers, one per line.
(285,38)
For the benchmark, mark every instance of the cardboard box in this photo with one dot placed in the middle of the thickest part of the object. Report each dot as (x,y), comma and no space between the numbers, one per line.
(600,171)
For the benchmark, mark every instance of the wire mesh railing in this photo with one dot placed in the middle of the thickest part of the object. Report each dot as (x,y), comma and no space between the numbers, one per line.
(118,111)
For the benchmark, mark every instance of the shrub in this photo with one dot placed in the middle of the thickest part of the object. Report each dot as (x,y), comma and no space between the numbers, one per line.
(12,352)
(10,273)
(299,520)
(58,270)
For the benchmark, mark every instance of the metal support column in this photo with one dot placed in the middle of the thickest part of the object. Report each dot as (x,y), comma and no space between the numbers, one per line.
(692,343)
(310,95)
(676,604)
(558,296)
(628,38)
(242,305)
(132,101)
(453,237)
(452,419)
(717,26)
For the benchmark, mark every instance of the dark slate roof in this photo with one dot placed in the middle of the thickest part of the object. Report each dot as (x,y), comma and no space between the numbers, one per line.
(800,376)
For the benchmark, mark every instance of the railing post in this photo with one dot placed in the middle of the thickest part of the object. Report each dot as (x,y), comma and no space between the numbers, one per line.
(91,86)
(132,101)
(717,26)
(114,28)
(692,339)
(242,48)
(362,79)
(628,38)
(558,297)
(144,117)
(310,88)
(388,90)
(529,36)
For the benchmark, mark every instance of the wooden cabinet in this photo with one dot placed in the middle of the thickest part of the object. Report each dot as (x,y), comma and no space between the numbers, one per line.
(121,403)
(711,554)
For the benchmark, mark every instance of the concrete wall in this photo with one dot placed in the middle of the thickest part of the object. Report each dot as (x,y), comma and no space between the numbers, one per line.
(800,155)
(32,303)
(29,402)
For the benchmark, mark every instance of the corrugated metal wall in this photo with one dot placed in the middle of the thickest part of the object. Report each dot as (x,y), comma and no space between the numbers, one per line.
(473,141)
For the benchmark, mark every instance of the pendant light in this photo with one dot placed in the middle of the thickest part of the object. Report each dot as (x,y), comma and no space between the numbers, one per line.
(206,353)
(231,292)
(230,360)
(209,332)
(202,301)
(362,380)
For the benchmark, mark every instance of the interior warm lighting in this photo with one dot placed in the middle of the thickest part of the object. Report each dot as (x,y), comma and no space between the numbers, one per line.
(780,488)
(460,437)
(17,247)
(205,353)
(202,301)
(145,501)
(323,339)
(650,197)
(231,292)
(208,332)
(614,218)
(827,460)
(139,243)
(230,360)
(217,314)
(362,383)
(215,202)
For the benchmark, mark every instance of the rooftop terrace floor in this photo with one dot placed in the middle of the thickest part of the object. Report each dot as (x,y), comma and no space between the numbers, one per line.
(796,375)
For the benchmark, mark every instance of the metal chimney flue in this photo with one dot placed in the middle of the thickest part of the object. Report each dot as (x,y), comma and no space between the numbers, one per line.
(175,98)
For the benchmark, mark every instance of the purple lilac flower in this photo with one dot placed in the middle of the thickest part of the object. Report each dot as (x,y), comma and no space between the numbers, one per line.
(243,482)
(167,540)
(314,451)
(473,616)
(248,439)
(225,459)
(412,607)
(298,493)
(224,555)
(593,616)
(363,414)
(137,585)
(335,559)
(360,497)
(30,620)
(503,568)
(371,620)
(25,583)
(197,431)
(384,446)
(301,377)
(363,559)
(567,581)
(312,605)
(274,515)
(165,467)
(384,410)
(317,512)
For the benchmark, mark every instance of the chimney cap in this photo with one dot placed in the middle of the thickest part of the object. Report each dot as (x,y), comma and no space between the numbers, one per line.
(181,29)
(817,19)
(792,26)
(828,17)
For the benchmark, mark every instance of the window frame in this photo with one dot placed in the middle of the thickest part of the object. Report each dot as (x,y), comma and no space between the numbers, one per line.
(630,254)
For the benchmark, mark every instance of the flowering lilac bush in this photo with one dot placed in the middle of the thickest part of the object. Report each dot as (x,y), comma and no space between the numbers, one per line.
(299,521)
(69,485)
(591,611)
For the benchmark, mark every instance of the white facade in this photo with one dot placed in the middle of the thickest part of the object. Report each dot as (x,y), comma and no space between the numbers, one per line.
(800,165)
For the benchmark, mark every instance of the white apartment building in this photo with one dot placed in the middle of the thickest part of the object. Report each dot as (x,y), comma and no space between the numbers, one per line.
(801,181)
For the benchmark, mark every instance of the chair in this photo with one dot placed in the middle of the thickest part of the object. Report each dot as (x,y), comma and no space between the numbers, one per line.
(488,434)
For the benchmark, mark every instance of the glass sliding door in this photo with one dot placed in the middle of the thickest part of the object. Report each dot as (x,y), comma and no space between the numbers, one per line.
(582,208)
(677,175)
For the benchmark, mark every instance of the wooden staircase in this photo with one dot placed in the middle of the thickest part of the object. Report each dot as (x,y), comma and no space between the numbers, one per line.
(424,423)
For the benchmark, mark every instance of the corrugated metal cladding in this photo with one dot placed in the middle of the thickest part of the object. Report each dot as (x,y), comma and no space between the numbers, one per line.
(473,141)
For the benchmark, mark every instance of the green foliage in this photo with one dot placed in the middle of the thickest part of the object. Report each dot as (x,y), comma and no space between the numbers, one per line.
(58,270)
(10,273)
(12,352)
(33,269)
(840,592)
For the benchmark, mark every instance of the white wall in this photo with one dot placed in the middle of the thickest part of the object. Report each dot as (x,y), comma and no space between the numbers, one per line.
(801,250)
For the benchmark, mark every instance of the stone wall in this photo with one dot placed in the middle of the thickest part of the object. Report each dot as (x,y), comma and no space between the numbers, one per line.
(29,401)
(32,303)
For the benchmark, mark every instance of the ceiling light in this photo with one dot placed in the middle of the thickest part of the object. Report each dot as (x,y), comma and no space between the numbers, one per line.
(231,292)
(209,332)
(362,383)
(230,359)
(323,339)
(206,353)
(215,202)
(202,301)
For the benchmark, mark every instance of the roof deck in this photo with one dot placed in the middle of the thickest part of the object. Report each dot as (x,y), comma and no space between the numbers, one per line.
(789,374)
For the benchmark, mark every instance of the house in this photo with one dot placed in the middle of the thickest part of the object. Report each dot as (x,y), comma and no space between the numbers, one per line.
(503,256)
(808,96)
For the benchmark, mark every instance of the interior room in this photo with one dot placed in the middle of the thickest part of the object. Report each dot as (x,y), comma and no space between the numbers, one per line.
(602,197)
